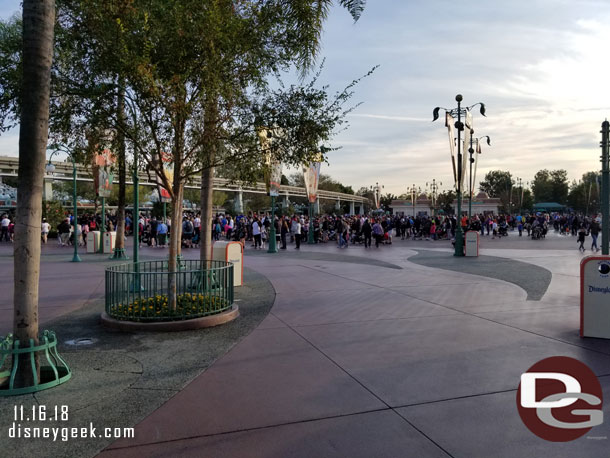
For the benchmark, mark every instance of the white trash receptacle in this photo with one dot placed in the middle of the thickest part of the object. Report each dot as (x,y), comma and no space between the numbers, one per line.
(595,297)
(93,241)
(472,243)
(109,241)
(231,252)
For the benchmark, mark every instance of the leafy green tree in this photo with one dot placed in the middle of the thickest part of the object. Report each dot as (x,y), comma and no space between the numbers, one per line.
(551,186)
(584,195)
(497,183)
(444,201)
(386,200)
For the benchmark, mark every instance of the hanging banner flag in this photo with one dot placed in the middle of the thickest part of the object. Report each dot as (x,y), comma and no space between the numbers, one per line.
(450,127)
(311,173)
(102,172)
(476,161)
(467,137)
(275,178)
(168,171)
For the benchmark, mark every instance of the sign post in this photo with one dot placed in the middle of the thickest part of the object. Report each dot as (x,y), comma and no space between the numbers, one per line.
(605,201)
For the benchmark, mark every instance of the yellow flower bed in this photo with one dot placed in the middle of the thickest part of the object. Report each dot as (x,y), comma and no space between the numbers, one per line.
(157,308)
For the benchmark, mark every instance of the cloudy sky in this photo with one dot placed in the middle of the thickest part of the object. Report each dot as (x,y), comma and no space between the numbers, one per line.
(539,66)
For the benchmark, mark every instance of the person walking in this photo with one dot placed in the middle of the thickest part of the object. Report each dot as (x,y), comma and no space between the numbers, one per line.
(582,233)
(594,234)
(4,223)
(63,229)
(45,228)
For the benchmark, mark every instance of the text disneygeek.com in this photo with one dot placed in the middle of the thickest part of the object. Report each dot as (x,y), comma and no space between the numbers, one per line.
(48,425)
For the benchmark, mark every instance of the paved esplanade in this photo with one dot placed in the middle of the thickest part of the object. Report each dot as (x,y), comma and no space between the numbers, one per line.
(360,360)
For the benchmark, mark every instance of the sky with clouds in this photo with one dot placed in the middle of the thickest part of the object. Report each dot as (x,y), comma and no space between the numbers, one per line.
(540,66)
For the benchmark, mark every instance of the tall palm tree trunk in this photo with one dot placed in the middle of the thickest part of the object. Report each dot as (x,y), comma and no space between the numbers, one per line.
(38,23)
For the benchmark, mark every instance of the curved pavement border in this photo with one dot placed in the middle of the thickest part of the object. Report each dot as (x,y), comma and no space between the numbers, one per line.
(535,280)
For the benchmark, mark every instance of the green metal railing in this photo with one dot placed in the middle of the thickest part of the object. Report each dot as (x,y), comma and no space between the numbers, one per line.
(148,291)
(12,355)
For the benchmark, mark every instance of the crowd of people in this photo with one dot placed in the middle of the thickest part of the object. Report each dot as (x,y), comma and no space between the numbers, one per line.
(346,230)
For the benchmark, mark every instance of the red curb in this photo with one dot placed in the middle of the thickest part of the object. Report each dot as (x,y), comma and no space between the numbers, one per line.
(172,326)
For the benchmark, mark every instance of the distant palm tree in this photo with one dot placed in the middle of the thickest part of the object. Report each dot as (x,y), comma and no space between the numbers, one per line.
(38,23)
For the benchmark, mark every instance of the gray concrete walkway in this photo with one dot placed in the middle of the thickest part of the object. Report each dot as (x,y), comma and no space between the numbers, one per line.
(361,360)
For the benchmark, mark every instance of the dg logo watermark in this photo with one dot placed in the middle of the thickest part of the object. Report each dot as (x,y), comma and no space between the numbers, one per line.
(560,399)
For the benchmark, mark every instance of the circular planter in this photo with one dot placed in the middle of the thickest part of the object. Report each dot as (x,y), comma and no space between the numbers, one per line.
(171,326)
(148,296)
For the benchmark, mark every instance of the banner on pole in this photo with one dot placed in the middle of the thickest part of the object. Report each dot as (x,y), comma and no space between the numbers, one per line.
(168,171)
(311,174)
(102,172)
(450,128)
(467,137)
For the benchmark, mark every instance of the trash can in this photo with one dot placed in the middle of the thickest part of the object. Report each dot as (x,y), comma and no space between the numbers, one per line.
(231,252)
(595,297)
(471,247)
(93,241)
(109,241)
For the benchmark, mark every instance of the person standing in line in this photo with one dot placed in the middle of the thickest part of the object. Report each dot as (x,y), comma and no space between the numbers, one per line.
(161,233)
(256,233)
(367,231)
(154,224)
(45,228)
(197,225)
(284,230)
(297,233)
(378,231)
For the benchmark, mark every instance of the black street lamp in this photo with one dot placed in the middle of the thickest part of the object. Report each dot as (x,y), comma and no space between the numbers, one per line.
(50,168)
(434,186)
(521,192)
(458,169)
(413,192)
(377,194)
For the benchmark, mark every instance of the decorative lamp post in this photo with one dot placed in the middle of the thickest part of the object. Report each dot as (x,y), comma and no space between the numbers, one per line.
(521,193)
(377,194)
(458,161)
(605,200)
(474,143)
(434,186)
(413,192)
(50,168)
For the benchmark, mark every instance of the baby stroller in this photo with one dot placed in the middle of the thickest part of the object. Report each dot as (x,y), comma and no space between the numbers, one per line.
(537,233)
(503,230)
(356,237)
